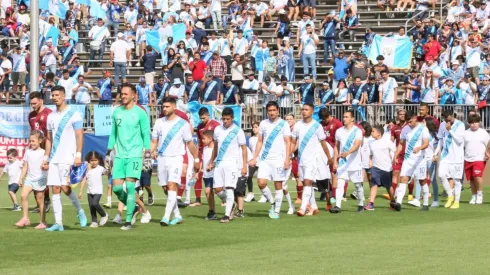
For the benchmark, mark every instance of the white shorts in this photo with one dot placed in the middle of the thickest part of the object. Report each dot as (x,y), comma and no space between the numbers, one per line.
(226,175)
(285,182)
(451,170)
(352,176)
(37,185)
(323,172)
(272,170)
(307,172)
(169,170)
(416,169)
(58,174)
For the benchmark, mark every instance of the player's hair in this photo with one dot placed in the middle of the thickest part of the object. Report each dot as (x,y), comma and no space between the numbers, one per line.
(430,123)
(409,115)
(448,112)
(355,78)
(401,111)
(58,88)
(474,119)
(12,152)
(393,121)
(384,72)
(227,112)
(37,95)
(424,104)
(203,111)
(472,110)
(324,113)
(368,129)
(272,103)
(65,71)
(350,111)
(309,105)
(37,134)
(93,154)
(208,133)
(169,99)
(130,86)
(289,114)
(380,129)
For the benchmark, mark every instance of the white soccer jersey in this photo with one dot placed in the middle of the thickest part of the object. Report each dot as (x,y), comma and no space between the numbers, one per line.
(34,160)
(308,149)
(229,141)
(347,138)
(64,142)
(174,133)
(475,144)
(207,153)
(452,142)
(413,138)
(94,180)
(273,134)
(366,151)
(13,171)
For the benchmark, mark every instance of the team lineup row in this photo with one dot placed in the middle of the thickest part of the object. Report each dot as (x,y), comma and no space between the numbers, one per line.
(326,154)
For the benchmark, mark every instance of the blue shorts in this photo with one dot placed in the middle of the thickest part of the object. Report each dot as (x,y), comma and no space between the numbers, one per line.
(109,179)
(208,182)
(380,178)
(13,187)
(367,170)
(145,179)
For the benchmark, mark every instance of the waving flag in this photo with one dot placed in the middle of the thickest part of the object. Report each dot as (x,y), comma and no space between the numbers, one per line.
(96,10)
(57,8)
(159,43)
(396,51)
(83,2)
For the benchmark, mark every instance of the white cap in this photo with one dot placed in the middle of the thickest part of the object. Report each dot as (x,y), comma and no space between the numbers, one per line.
(177,81)
(120,34)
(282,11)
(455,62)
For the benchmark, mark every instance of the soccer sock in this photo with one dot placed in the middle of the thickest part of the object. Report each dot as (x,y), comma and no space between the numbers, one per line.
(46,194)
(313,199)
(394,185)
(425,189)
(121,195)
(410,188)
(74,201)
(299,190)
(345,189)
(187,194)
(181,189)
(447,187)
(402,188)
(109,199)
(417,190)
(57,208)
(306,197)
(222,195)
(171,202)
(278,200)
(339,192)
(360,194)
(457,189)
(176,211)
(131,200)
(198,188)
(267,194)
(479,193)
(290,202)
(230,200)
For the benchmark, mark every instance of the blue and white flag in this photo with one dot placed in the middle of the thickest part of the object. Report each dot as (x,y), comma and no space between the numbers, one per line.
(396,51)
(214,111)
(156,42)
(14,122)
(83,2)
(96,10)
(57,8)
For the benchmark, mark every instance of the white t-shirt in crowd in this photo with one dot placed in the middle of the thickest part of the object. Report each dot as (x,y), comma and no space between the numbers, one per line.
(309,45)
(382,153)
(99,33)
(310,152)
(475,144)
(67,144)
(468,95)
(389,87)
(473,56)
(83,94)
(19,62)
(68,84)
(120,48)
(13,171)
(232,153)
(176,146)
(353,160)
(34,160)
(94,180)
(240,45)
(277,150)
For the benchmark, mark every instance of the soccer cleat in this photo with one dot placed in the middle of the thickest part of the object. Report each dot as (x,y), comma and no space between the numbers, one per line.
(181,204)
(35,210)
(312,212)
(369,207)
(211,216)
(194,204)
(335,210)
(225,219)
(17,208)
(473,200)
(479,199)
(55,227)
(23,222)
(249,197)
(332,200)
(125,208)
(126,227)
(300,213)
(94,225)
(146,217)
(41,226)
(455,205)
(360,208)
(410,197)
(298,201)
(104,220)
(47,206)
(291,211)
(443,194)
(82,218)
(107,205)
(135,216)
(176,221)
(450,200)
(262,199)
(353,196)
(415,203)
(271,211)
(397,206)
(274,215)
(424,208)
(164,222)
(386,196)
(117,219)
(435,204)
(240,214)
(151,199)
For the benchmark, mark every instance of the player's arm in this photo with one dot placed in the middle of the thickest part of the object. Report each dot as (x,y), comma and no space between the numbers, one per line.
(336,154)
(47,150)
(213,155)
(399,149)
(457,134)
(287,159)
(82,186)
(293,145)
(425,144)
(244,159)
(258,147)
(354,148)
(145,130)
(113,136)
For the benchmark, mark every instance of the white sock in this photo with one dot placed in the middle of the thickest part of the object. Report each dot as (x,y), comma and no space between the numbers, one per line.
(473,197)
(278,201)
(479,193)
(400,190)
(171,202)
(360,194)
(230,200)
(222,195)
(306,197)
(176,211)
(290,202)
(109,199)
(313,199)
(57,208)
(187,195)
(447,187)
(425,194)
(417,190)
(266,192)
(339,192)
(74,201)
(457,190)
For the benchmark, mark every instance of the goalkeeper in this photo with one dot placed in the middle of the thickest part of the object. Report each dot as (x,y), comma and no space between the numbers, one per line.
(131,135)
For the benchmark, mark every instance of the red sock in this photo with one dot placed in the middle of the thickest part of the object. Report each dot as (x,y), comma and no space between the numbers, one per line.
(345,188)
(46,194)
(334,192)
(394,185)
(428,182)
(410,188)
(181,189)
(299,189)
(198,187)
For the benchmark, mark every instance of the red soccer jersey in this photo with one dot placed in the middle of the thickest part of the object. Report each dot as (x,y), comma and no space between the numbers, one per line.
(396,131)
(38,121)
(201,128)
(420,119)
(330,130)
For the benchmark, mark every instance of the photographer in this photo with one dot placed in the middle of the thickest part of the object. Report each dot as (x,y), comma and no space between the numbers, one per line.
(177,67)
(209,90)
(82,91)
(411,85)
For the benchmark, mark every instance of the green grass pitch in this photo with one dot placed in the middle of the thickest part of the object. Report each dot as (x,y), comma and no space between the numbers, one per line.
(440,241)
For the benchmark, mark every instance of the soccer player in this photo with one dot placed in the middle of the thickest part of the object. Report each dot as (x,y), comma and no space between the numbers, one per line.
(64,144)
(396,131)
(273,146)
(229,140)
(169,138)
(347,161)
(451,161)
(38,121)
(294,161)
(308,134)
(131,135)
(414,138)
(476,153)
